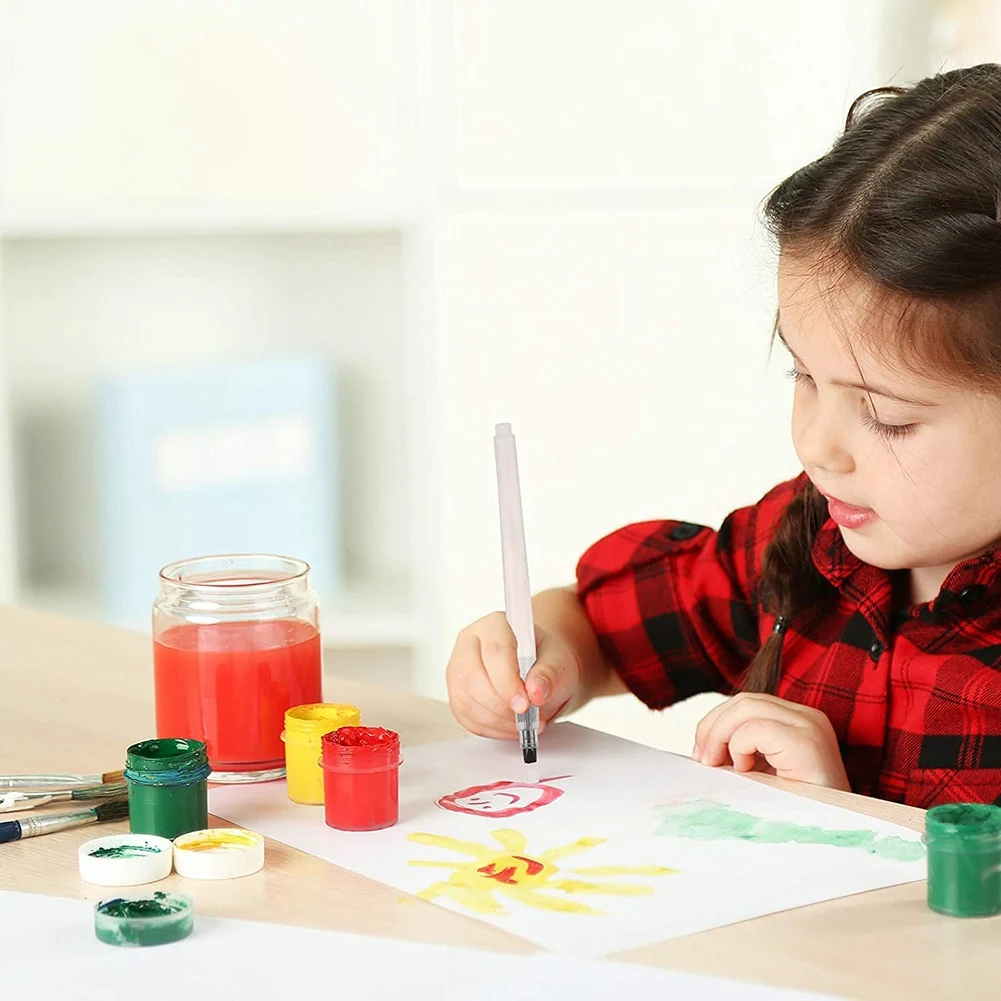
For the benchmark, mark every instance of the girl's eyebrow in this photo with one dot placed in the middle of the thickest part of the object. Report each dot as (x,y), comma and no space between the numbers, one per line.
(874,390)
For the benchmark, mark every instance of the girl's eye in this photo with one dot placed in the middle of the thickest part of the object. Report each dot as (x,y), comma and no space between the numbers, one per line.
(799,377)
(889,431)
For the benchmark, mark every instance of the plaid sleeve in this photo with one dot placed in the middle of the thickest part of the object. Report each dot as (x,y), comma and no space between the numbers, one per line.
(674,605)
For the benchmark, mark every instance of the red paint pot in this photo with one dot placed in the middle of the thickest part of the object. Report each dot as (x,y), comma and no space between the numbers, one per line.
(361,778)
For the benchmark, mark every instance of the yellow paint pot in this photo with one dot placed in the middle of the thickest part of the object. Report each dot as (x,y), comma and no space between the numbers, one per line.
(304,726)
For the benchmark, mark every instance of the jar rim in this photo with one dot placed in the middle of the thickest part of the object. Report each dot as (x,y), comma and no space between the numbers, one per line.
(369,739)
(166,752)
(208,573)
(317,718)
(167,761)
(964,821)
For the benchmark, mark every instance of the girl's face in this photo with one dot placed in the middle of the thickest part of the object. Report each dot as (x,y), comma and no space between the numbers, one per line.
(911,467)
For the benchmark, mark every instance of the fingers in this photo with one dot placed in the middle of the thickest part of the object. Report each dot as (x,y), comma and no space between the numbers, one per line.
(499,656)
(705,726)
(805,753)
(555,678)
(798,742)
(482,678)
(485,689)
(769,738)
(713,735)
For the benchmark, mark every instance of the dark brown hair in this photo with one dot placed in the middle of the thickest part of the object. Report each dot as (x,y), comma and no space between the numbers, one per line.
(907,200)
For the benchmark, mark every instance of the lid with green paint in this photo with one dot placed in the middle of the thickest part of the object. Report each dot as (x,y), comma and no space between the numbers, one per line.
(154,919)
(967,824)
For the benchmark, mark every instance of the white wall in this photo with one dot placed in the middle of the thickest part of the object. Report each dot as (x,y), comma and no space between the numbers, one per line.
(122,108)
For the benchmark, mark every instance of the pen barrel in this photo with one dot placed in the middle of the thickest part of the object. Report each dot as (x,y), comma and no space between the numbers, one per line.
(528,721)
(32,827)
(517,589)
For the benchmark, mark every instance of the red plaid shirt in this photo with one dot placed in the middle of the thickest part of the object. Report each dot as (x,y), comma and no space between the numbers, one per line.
(915,699)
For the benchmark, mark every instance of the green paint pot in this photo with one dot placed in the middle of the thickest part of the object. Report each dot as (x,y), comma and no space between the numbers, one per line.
(964,859)
(168,794)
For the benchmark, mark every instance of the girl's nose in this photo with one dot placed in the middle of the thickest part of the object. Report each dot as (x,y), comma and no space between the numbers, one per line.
(821,447)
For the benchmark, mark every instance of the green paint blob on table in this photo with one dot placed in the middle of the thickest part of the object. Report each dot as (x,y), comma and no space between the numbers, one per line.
(707,820)
(125,851)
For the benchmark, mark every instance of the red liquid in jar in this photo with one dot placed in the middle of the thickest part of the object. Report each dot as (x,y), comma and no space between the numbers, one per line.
(229,685)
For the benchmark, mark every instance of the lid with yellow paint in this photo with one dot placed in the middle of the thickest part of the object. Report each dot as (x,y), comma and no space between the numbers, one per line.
(218,853)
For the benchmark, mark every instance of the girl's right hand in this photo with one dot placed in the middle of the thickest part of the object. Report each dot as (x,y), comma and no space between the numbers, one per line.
(485,689)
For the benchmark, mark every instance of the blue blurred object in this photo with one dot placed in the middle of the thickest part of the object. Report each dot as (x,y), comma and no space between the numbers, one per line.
(231,458)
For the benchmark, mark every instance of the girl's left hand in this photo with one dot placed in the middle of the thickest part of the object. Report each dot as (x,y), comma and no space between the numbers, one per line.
(797,741)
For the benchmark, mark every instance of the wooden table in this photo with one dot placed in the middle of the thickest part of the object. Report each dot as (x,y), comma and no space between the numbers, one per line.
(74,695)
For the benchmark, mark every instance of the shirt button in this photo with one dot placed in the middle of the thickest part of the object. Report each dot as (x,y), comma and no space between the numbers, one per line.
(970,594)
(685,531)
(876,650)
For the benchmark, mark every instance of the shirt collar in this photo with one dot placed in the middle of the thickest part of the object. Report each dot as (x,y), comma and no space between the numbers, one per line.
(837,563)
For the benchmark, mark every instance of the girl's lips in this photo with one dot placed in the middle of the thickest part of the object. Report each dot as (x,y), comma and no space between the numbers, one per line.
(849,515)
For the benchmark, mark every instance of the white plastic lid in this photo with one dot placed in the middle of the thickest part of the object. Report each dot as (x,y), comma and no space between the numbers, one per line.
(218,853)
(125,859)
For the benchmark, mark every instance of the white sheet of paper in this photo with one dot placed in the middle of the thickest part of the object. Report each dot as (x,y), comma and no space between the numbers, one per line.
(49,950)
(612,789)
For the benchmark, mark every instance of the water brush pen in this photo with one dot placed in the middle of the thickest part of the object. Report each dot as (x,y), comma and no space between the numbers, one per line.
(32,827)
(11,801)
(54,782)
(517,592)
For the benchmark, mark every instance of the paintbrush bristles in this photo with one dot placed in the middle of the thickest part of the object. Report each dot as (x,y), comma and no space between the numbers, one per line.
(117,809)
(114,777)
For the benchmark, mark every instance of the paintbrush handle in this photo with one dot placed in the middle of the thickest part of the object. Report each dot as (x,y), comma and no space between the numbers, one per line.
(8,782)
(32,827)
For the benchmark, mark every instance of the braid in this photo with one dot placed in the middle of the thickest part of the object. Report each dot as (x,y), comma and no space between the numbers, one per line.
(789,582)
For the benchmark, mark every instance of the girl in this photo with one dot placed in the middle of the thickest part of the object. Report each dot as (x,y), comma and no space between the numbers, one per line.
(855,610)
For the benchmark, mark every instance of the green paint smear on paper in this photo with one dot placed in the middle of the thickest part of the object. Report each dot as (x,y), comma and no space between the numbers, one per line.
(707,820)
(125,851)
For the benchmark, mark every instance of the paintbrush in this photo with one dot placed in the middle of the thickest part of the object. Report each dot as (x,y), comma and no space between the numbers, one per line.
(54,782)
(11,801)
(32,827)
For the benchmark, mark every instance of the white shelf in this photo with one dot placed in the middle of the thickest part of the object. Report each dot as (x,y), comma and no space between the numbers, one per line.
(370,614)
(363,616)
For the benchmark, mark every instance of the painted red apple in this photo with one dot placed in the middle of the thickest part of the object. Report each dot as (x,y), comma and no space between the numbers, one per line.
(503,799)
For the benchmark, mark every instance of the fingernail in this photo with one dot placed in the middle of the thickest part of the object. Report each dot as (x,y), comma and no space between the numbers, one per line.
(519,704)
(541,689)
(697,752)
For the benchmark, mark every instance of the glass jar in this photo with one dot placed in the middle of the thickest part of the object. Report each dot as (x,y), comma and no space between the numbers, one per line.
(236,642)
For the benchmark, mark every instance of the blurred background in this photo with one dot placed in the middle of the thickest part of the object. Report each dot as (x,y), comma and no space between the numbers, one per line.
(271,271)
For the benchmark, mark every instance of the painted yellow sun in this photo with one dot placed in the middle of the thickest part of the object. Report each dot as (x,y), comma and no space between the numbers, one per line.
(533,880)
